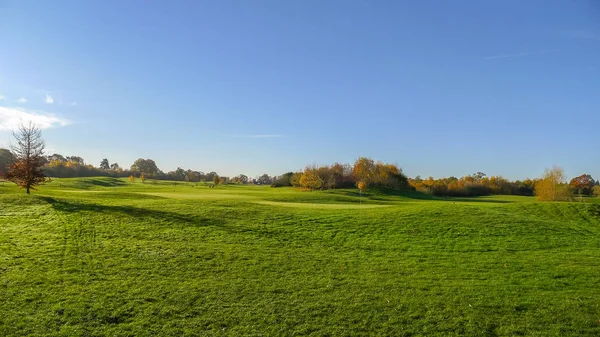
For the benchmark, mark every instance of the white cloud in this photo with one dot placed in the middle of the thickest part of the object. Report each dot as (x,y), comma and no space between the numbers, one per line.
(11,118)
(49,99)
(2,98)
(22,100)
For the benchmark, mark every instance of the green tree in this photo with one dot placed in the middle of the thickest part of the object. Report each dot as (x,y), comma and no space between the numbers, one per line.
(104,165)
(145,166)
(295,179)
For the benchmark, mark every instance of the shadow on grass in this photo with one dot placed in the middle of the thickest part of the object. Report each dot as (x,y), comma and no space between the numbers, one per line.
(385,194)
(478,199)
(87,183)
(141,213)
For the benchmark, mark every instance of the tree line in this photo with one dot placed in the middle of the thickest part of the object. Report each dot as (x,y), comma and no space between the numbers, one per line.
(26,165)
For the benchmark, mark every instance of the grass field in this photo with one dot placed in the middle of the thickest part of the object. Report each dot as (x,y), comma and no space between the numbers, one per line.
(106,257)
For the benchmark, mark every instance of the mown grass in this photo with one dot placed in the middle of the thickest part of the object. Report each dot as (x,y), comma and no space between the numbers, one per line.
(104,257)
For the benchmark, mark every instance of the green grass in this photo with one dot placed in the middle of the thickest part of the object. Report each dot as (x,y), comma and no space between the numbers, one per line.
(106,257)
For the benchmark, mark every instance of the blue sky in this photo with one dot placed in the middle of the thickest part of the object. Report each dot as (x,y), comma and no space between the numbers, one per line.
(439,88)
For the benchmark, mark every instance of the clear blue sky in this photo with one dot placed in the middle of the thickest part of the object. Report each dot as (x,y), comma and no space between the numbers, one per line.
(439,87)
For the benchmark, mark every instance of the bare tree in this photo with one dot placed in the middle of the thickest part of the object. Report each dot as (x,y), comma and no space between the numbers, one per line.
(26,171)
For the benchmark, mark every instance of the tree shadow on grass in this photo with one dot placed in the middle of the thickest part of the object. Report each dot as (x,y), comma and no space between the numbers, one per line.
(385,194)
(141,213)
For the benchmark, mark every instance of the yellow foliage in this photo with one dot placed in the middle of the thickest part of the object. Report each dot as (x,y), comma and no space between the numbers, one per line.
(361,185)
(131,178)
(310,179)
(552,186)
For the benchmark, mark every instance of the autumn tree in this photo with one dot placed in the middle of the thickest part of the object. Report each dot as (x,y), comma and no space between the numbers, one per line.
(26,170)
(216,179)
(104,165)
(584,184)
(310,179)
(364,170)
(596,190)
(552,186)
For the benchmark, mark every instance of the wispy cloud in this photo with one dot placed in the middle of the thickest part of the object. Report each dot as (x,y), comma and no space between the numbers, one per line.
(518,54)
(2,98)
(11,118)
(253,136)
(49,99)
(22,100)
(73,103)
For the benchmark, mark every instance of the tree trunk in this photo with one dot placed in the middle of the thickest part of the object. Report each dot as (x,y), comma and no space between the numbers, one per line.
(27,189)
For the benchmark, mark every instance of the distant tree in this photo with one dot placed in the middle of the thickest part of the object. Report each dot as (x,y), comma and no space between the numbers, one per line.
(210,176)
(552,186)
(478,176)
(26,170)
(310,179)
(76,159)
(327,177)
(104,165)
(283,180)
(361,185)
(143,178)
(145,166)
(597,190)
(364,170)
(295,179)
(216,179)
(114,166)
(57,157)
(264,180)
(242,178)
(7,158)
(131,178)
(584,184)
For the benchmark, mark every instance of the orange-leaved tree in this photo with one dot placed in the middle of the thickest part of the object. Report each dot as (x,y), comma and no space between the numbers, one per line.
(584,184)
(26,170)
(310,179)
